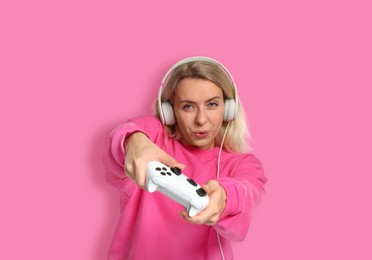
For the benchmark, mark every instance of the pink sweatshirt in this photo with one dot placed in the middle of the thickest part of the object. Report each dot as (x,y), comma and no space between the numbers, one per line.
(150,225)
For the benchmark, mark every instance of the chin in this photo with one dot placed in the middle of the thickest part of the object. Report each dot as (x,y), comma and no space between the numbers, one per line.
(204,145)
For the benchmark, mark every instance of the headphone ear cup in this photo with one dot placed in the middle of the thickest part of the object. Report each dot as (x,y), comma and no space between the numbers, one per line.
(230,110)
(168,114)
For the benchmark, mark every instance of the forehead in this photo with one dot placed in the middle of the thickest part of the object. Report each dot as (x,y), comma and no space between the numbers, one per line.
(197,89)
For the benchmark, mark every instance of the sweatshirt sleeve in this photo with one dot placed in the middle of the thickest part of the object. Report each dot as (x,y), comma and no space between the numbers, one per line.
(114,153)
(244,188)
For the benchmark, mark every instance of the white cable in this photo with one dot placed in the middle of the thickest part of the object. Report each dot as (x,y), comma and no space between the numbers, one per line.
(218,176)
(219,153)
(219,243)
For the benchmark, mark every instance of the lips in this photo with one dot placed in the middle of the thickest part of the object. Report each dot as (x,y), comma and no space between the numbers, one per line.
(200,134)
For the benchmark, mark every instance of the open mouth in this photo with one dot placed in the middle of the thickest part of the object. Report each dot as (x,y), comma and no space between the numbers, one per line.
(201,134)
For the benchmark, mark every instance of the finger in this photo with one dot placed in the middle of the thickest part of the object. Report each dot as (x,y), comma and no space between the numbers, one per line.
(128,169)
(141,182)
(203,217)
(140,175)
(171,162)
(185,215)
(199,220)
(136,172)
(194,220)
(211,186)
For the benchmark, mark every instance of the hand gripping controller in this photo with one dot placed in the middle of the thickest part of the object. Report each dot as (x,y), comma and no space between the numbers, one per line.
(172,183)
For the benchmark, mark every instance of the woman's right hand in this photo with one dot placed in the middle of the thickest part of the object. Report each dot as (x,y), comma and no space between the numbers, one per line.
(139,151)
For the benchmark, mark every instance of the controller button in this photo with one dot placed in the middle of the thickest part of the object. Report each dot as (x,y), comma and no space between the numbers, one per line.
(201,192)
(158,168)
(192,182)
(169,173)
(162,173)
(176,171)
(164,169)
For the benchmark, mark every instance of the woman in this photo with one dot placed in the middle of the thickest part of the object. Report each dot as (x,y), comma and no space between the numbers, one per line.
(200,128)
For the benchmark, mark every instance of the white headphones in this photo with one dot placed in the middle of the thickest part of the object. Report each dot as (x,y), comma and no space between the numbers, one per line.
(166,110)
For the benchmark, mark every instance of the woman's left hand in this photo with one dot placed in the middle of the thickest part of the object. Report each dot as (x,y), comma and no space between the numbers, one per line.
(217,203)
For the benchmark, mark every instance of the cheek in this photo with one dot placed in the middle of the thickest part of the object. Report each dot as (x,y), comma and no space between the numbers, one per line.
(183,117)
(182,121)
(217,118)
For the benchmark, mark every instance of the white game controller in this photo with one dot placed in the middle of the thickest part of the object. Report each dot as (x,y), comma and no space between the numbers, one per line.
(172,183)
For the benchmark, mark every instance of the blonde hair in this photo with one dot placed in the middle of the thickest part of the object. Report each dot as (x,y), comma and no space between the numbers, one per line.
(238,136)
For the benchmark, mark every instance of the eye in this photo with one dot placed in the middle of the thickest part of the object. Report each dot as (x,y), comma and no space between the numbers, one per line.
(187,107)
(212,104)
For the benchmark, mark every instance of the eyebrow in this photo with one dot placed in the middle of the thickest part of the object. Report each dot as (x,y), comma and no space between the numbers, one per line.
(209,100)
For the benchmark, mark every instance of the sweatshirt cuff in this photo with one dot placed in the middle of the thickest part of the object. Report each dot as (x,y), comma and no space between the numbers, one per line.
(117,143)
(234,196)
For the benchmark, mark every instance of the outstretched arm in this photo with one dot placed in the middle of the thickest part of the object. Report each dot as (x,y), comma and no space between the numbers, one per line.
(233,199)
(139,151)
(128,149)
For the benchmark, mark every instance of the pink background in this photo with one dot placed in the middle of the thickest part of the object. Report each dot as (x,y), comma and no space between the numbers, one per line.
(72,70)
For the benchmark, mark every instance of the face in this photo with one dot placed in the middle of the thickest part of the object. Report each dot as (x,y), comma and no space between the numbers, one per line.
(199,108)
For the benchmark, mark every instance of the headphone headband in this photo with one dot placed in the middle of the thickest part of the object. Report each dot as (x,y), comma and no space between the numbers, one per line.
(196,58)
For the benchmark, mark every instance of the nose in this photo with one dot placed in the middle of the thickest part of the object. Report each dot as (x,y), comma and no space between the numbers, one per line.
(201,117)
